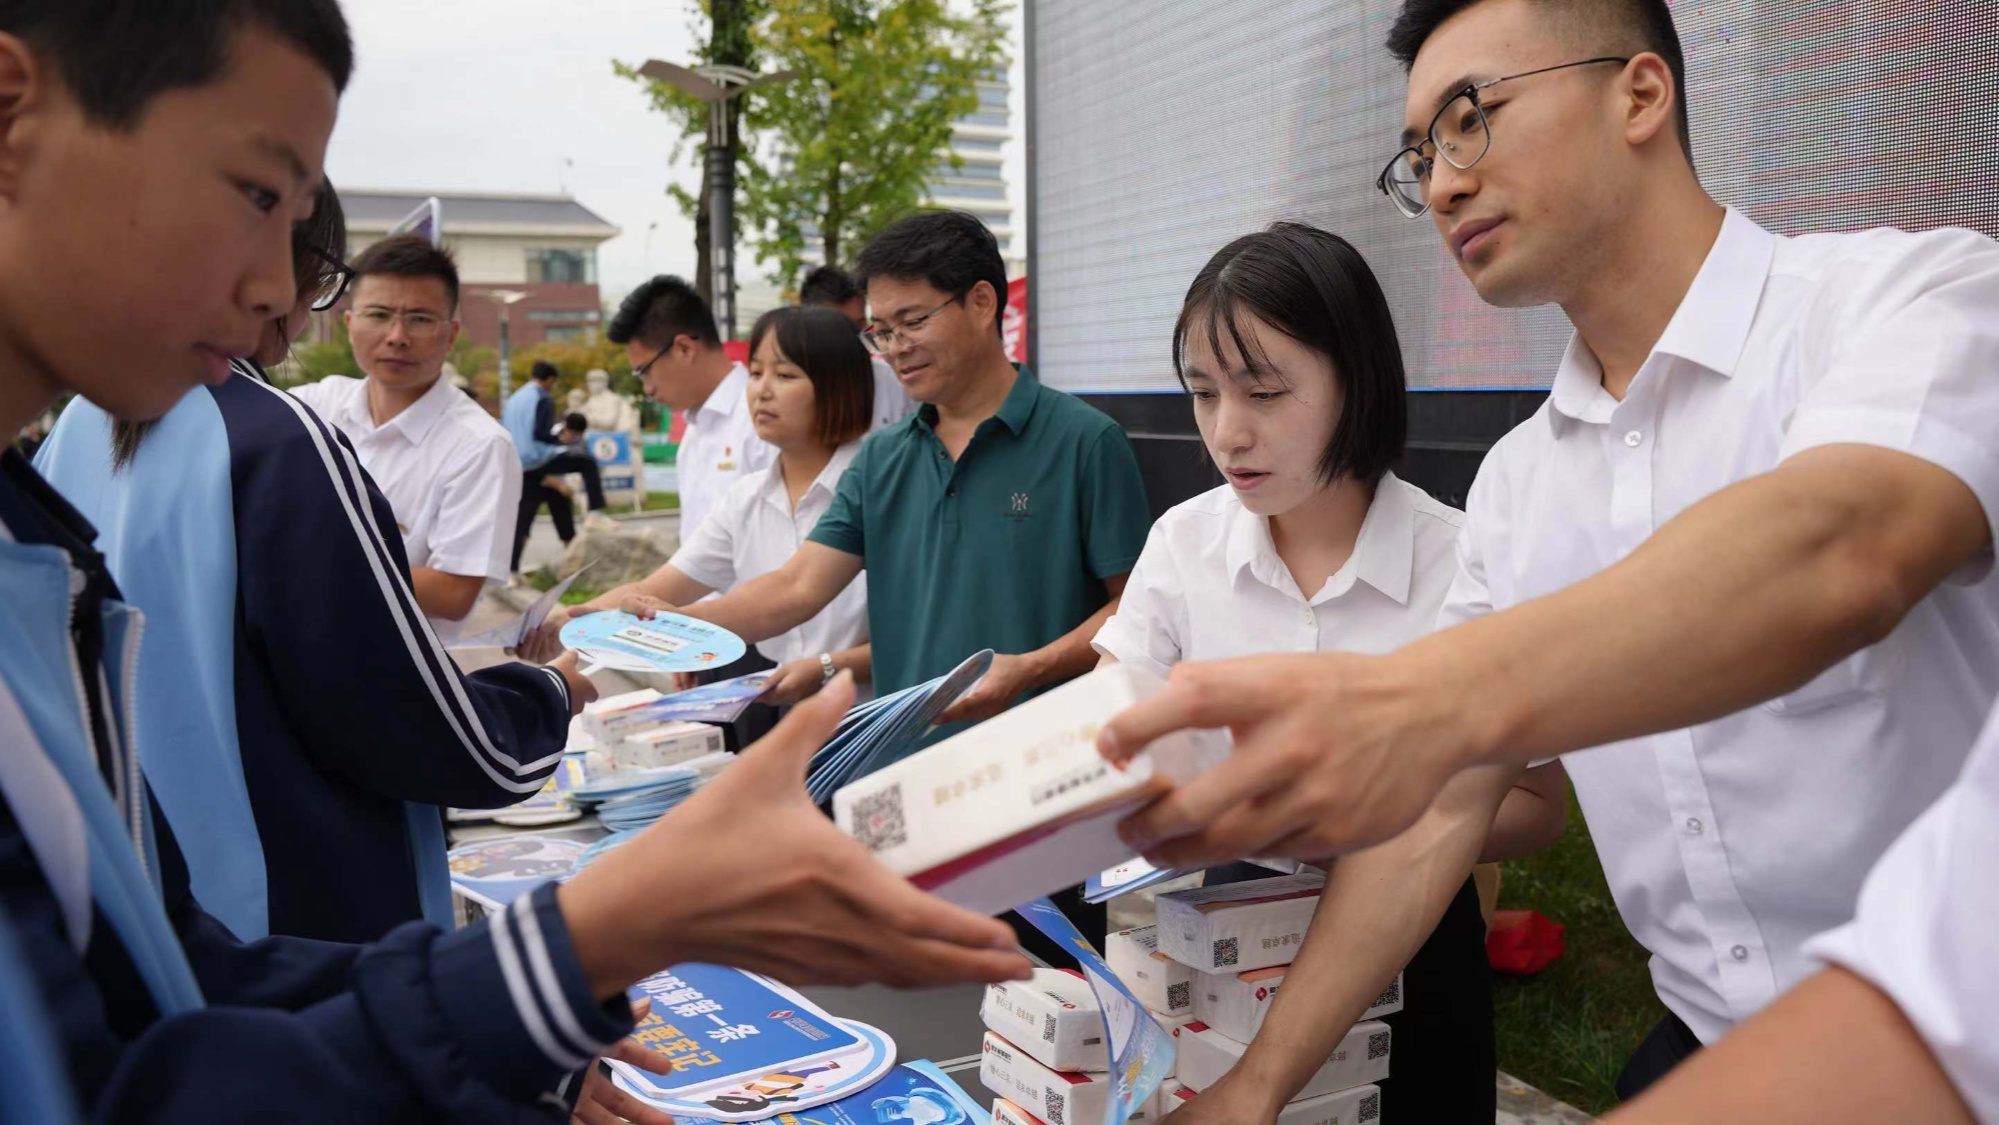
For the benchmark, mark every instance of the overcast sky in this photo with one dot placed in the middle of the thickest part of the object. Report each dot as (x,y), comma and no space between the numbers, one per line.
(495,95)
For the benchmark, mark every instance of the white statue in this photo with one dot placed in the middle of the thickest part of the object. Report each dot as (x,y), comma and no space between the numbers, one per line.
(605,409)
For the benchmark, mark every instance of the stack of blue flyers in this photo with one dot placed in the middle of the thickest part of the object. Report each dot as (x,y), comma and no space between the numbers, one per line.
(631,801)
(609,843)
(887,729)
(915,1092)
(734,1046)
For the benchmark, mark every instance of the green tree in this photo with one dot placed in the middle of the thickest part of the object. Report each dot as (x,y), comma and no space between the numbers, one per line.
(850,143)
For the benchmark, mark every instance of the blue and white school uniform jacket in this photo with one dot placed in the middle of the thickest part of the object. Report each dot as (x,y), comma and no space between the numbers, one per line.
(296,717)
(157,1013)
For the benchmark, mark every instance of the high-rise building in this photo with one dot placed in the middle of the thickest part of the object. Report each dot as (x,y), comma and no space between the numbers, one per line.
(978,184)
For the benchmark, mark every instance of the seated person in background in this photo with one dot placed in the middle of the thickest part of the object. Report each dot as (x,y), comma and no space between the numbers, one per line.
(1287,348)
(544,449)
(274,600)
(830,287)
(447,468)
(810,391)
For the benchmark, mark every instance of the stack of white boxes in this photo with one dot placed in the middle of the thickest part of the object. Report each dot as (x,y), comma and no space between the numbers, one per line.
(1045,1054)
(1210,970)
(628,739)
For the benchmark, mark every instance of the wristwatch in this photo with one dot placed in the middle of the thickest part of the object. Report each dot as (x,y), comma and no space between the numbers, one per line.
(826,669)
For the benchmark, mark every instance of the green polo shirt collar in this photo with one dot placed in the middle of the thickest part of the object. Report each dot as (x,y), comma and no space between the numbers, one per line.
(1014,413)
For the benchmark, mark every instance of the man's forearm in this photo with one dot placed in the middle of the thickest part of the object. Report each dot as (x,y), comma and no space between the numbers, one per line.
(759,609)
(1069,655)
(1378,908)
(1748,594)
(1833,1050)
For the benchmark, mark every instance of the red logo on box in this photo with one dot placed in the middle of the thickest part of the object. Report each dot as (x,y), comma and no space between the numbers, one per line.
(782,1014)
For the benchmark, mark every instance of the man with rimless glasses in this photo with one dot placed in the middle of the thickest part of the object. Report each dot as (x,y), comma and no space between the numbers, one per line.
(447,467)
(1735,574)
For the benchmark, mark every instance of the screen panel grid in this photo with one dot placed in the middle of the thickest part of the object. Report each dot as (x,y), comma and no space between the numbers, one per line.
(1164,129)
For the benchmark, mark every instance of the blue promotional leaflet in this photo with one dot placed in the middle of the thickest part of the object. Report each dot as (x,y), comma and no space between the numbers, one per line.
(494,873)
(888,728)
(1141,1050)
(915,1092)
(735,1046)
(513,633)
(668,642)
(721,702)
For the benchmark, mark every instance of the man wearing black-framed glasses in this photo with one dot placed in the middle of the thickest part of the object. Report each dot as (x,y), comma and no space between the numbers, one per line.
(1732,573)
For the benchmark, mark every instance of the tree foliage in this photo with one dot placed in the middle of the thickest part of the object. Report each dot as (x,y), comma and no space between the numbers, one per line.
(849,144)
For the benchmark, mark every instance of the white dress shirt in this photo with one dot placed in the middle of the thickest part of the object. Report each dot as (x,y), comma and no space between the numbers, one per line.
(1924,930)
(447,468)
(719,448)
(1210,586)
(1729,844)
(753,530)
(892,403)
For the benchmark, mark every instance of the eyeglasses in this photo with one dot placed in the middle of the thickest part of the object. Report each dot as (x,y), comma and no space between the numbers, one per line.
(1460,134)
(334,278)
(882,337)
(418,324)
(642,368)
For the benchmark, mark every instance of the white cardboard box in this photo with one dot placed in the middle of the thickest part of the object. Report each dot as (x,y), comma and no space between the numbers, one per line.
(1173,1024)
(610,717)
(1007,1113)
(1362,1057)
(1155,1107)
(1236,1003)
(1160,983)
(1054,1017)
(1358,1106)
(1056,1097)
(667,744)
(1020,805)
(1239,926)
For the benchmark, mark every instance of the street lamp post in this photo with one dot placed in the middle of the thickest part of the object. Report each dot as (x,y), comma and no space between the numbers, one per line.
(715,85)
(505,298)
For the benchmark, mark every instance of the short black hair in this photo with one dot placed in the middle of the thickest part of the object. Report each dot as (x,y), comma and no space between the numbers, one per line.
(1314,287)
(116,56)
(1625,27)
(541,370)
(827,286)
(575,422)
(409,255)
(661,311)
(951,250)
(824,345)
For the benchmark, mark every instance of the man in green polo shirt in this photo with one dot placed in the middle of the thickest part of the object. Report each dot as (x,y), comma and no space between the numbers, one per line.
(1001,515)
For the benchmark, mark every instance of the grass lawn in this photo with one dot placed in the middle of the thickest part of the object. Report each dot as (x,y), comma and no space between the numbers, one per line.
(545,578)
(1569,1029)
(660,502)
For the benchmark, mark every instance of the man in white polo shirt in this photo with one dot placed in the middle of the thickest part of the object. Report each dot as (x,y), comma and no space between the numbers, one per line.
(447,468)
(1736,571)
(670,336)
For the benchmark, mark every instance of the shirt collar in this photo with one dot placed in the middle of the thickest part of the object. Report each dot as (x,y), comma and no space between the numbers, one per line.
(729,395)
(1384,554)
(414,423)
(1014,413)
(1709,329)
(827,481)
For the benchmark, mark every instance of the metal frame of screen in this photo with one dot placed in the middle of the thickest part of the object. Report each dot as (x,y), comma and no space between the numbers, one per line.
(1157,131)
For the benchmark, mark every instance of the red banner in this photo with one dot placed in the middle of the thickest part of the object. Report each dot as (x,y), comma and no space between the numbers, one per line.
(1014,324)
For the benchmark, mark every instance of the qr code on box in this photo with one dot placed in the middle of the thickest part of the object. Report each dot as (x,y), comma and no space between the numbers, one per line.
(1225,952)
(1051,1107)
(1377,1045)
(1179,996)
(1369,1109)
(1048,1028)
(878,821)
(1391,995)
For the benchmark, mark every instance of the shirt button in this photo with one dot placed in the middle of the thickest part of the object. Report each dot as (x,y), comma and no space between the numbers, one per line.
(1693,826)
(1633,438)
(1740,953)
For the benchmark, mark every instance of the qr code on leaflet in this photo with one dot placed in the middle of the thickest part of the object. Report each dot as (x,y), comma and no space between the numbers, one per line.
(1390,995)
(878,822)
(1051,1106)
(1225,952)
(1370,1108)
(1179,995)
(1048,1028)
(1377,1045)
